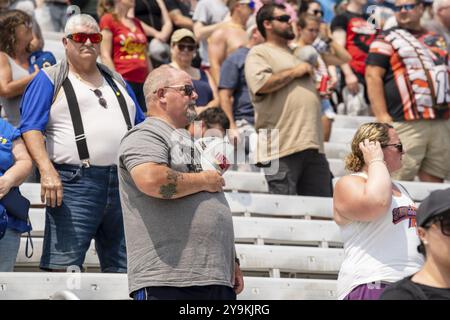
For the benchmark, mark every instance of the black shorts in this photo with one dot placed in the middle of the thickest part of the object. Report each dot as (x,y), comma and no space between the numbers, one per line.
(212,292)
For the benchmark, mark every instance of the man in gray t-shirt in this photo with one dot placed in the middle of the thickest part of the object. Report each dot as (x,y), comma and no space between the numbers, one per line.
(178,225)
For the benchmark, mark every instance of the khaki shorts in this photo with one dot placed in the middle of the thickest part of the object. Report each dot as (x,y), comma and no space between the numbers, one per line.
(427,146)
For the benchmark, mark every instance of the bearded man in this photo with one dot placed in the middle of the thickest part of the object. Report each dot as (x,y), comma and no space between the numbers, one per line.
(287,105)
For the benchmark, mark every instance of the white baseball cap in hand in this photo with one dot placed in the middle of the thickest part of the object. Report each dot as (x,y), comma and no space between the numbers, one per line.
(215,153)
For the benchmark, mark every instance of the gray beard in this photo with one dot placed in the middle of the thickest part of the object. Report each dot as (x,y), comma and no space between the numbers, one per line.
(191,114)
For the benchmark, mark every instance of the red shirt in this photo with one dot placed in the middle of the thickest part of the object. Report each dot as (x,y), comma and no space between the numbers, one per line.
(129,48)
(360,35)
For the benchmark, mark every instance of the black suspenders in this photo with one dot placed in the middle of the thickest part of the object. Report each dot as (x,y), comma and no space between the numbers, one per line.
(75,114)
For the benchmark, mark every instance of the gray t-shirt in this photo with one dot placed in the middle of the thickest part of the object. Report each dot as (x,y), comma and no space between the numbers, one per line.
(209,12)
(177,242)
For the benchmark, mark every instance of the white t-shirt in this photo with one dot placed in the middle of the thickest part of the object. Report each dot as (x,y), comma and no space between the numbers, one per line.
(103,127)
(380,250)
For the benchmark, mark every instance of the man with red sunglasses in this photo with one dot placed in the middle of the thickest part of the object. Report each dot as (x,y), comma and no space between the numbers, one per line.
(83,109)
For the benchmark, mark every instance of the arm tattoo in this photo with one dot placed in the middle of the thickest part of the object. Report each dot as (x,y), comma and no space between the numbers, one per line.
(168,190)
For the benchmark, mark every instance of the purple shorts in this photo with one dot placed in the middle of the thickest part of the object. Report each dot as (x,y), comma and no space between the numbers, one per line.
(367,291)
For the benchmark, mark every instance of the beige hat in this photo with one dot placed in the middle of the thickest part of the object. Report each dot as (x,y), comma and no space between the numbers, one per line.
(180,34)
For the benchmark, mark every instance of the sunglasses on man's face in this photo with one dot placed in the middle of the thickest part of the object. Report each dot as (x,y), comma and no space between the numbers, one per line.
(317,12)
(407,7)
(187,89)
(398,146)
(283,18)
(186,47)
(82,37)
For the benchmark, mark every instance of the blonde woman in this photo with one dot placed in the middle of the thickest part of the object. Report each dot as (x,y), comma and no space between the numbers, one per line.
(376,216)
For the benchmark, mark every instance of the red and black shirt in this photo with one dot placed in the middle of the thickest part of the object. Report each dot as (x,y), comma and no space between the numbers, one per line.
(360,34)
(400,86)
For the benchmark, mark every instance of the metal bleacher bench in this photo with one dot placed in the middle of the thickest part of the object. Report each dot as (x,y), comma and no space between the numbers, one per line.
(93,286)
(288,246)
(351,122)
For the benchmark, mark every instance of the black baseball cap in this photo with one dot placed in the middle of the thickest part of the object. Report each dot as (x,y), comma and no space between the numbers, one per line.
(436,203)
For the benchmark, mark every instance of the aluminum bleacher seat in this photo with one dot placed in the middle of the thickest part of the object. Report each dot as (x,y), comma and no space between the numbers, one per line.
(286,231)
(337,167)
(245,181)
(108,286)
(342,135)
(279,205)
(350,122)
(257,288)
(336,150)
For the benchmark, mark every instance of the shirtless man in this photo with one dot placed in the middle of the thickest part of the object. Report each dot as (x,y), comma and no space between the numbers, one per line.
(230,36)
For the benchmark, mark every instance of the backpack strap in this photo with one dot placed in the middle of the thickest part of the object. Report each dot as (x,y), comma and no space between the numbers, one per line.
(75,115)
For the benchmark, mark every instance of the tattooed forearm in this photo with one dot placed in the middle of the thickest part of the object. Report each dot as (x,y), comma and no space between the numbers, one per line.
(167,191)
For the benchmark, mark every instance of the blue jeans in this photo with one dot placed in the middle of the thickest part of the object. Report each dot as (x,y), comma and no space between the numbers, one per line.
(90,210)
(9,247)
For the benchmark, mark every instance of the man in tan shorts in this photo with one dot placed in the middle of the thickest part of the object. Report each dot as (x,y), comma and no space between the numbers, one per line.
(406,72)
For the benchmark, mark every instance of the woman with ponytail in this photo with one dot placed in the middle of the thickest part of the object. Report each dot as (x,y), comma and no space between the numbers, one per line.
(376,216)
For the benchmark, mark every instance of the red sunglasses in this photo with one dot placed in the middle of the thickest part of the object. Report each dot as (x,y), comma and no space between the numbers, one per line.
(82,37)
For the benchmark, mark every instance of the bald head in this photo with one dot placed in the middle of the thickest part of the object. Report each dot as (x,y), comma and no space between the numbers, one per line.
(162,76)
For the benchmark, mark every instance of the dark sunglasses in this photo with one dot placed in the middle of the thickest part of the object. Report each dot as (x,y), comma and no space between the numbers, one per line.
(82,37)
(186,47)
(317,12)
(398,146)
(407,7)
(101,100)
(444,221)
(187,89)
(282,18)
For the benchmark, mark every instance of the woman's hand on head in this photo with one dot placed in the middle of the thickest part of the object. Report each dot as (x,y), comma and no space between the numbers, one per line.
(371,150)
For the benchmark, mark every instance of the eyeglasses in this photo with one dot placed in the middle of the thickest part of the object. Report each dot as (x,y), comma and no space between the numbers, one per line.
(283,18)
(444,221)
(398,146)
(407,7)
(187,89)
(186,47)
(82,37)
(101,100)
(317,12)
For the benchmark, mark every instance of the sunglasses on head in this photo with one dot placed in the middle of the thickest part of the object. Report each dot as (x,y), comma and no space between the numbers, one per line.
(101,100)
(186,47)
(81,37)
(398,146)
(444,221)
(282,18)
(186,88)
(407,7)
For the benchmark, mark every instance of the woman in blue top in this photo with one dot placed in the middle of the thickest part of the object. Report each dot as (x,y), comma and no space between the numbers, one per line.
(15,166)
(183,46)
